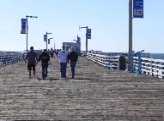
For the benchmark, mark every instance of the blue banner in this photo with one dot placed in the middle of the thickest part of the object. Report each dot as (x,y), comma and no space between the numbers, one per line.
(23,26)
(138,9)
(48,41)
(45,37)
(88,34)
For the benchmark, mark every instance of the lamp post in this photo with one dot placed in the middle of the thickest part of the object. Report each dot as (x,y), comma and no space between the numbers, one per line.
(27,30)
(49,42)
(46,40)
(86,27)
(130,55)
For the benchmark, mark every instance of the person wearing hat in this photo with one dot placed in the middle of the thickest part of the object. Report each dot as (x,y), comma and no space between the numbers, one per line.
(32,59)
(73,58)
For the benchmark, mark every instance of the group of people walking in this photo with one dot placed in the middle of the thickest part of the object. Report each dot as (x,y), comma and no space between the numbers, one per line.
(64,57)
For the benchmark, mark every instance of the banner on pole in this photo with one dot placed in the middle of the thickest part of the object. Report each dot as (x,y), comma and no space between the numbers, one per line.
(48,41)
(138,11)
(88,34)
(23,26)
(45,37)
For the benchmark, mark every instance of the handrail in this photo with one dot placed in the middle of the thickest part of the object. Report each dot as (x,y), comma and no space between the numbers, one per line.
(110,62)
(9,57)
(149,66)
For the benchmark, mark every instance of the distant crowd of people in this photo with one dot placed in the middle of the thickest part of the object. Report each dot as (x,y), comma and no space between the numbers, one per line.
(64,58)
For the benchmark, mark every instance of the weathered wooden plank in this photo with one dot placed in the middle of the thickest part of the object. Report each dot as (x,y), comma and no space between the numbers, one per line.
(96,94)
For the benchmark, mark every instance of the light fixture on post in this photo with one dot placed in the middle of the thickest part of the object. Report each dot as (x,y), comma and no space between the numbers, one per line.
(27,30)
(47,39)
(88,36)
(49,42)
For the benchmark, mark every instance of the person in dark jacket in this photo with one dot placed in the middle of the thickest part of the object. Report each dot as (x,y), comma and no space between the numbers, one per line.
(44,58)
(73,58)
(32,59)
(122,62)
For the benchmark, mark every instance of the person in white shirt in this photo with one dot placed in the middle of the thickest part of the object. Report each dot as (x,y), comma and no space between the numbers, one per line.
(63,54)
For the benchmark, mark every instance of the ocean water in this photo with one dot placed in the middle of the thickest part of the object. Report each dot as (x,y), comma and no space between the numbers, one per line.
(156,55)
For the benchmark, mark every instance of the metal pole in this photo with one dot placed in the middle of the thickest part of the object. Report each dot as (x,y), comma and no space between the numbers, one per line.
(86,44)
(46,45)
(47,40)
(27,34)
(130,56)
(86,38)
(27,30)
(139,64)
(86,41)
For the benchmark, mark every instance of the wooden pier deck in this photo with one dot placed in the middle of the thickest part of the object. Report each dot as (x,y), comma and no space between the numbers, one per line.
(96,94)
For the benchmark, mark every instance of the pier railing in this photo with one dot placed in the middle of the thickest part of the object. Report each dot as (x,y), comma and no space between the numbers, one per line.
(9,57)
(149,66)
(110,62)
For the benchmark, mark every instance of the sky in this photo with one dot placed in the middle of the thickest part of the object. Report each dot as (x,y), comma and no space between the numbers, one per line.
(108,20)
